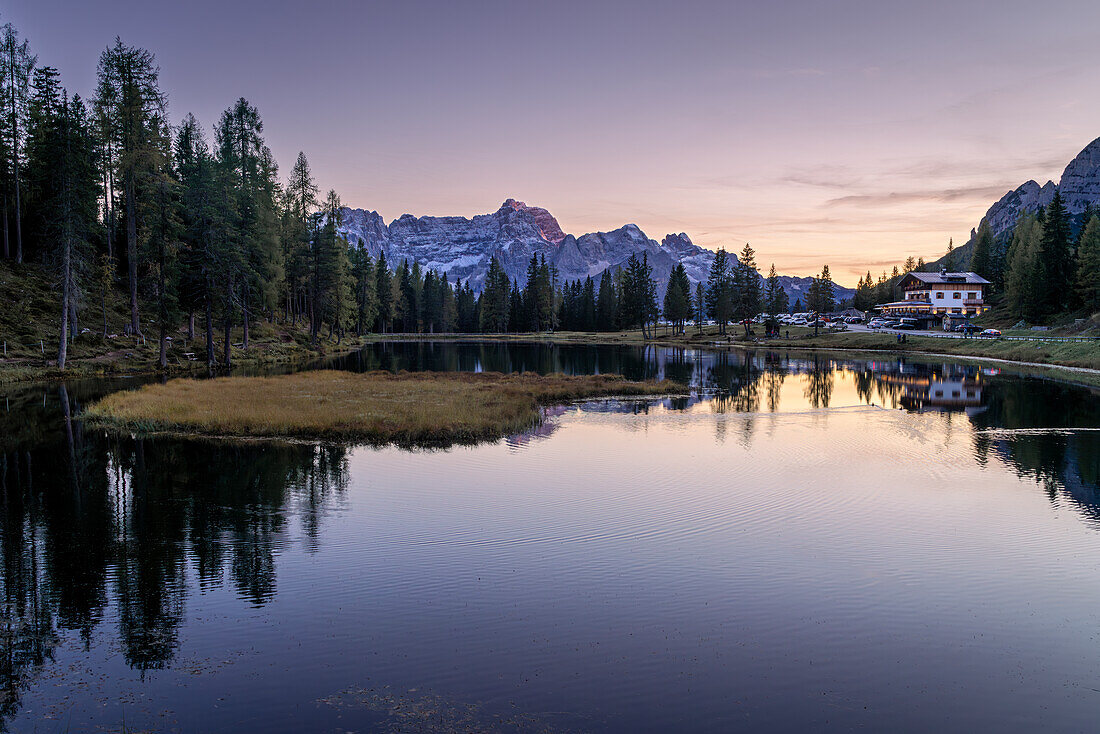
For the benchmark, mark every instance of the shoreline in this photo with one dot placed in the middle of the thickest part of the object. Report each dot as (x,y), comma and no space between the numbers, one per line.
(94,368)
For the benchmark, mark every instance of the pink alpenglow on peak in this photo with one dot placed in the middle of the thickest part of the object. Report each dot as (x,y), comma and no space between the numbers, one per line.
(547,224)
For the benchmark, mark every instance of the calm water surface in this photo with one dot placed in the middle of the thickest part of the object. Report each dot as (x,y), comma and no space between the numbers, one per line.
(804,543)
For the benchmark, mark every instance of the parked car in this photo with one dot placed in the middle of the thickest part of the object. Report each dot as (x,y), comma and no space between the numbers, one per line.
(967,329)
(991,332)
(907,325)
(853,320)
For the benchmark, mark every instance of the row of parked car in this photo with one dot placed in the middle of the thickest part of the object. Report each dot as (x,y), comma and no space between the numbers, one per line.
(913,324)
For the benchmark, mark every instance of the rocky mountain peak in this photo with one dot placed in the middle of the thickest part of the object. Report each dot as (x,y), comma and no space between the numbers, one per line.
(544,220)
(462,247)
(1080,184)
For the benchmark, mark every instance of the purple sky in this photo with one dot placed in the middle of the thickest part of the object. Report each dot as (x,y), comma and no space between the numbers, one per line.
(821,131)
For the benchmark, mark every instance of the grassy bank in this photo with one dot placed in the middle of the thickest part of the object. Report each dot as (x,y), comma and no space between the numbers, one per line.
(378,407)
(1084,355)
(29,335)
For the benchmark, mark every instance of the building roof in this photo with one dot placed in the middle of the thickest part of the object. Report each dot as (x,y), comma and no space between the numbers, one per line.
(945,278)
(903,304)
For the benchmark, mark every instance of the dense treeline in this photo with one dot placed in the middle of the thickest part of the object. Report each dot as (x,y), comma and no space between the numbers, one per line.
(1046,269)
(1047,266)
(198,229)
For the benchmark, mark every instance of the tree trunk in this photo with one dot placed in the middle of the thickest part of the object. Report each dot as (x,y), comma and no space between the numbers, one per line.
(163,345)
(228,326)
(7,245)
(131,253)
(66,294)
(209,328)
(190,326)
(244,320)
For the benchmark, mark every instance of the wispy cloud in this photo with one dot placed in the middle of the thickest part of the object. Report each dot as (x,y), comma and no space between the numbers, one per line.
(941,196)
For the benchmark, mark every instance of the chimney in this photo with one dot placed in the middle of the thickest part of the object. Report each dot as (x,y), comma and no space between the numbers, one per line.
(943,272)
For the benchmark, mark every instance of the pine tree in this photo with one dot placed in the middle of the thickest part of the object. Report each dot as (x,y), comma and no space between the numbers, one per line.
(588,305)
(128,80)
(775,298)
(383,294)
(721,292)
(1021,281)
(981,258)
(1088,265)
(18,64)
(677,305)
(62,191)
(747,279)
(827,299)
(365,294)
(494,302)
(1055,260)
(607,304)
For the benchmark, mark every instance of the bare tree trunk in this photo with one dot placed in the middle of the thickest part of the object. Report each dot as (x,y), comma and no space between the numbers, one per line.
(7,245)
(228,326)
(66,294)
(244,311)
(209,328)
(131,254)
(191,326)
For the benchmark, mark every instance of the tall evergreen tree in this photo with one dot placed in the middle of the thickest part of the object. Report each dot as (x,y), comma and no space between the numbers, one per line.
(607,304)
(1088,265)
(128,80)
(721,290)
(1055,260)
(495,300)
(18,65)
(747,277)
(775,298)
(677,305)
(981,257)
(1021,282)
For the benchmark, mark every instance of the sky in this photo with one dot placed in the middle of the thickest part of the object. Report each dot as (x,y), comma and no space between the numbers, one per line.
(852,133)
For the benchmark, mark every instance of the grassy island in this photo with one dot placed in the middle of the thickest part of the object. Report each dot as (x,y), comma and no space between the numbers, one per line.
(423,408)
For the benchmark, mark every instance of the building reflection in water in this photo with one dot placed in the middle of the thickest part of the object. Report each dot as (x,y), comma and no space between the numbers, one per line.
(99,530)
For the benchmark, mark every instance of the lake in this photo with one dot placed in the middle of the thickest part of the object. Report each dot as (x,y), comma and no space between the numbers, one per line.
(805,542)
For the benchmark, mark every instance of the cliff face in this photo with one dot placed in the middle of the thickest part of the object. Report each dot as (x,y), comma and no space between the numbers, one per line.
(1079,186)
(462,247)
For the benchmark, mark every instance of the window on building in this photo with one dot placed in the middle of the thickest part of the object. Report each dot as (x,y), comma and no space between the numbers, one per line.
(971,295)
(956,295)
(939,295)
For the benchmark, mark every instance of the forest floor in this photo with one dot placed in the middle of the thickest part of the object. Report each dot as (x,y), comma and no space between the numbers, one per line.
(29,330)
(408,409)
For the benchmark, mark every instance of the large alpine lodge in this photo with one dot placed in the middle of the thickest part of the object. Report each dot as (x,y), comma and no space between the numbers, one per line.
(936,297)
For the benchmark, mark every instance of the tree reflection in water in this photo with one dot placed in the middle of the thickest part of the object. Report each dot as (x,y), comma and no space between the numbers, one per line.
(97,528)
(89,518)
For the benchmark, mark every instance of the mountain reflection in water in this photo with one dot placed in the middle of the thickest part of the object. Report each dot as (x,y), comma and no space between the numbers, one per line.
(103,530)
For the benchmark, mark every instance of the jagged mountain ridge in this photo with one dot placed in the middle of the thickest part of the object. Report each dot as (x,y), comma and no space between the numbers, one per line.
(1079,186)
(462,247)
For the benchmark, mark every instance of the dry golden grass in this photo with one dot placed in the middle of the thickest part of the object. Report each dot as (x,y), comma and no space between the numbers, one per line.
(422,408)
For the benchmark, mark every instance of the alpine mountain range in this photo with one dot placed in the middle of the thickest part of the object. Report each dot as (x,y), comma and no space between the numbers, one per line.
(462,247)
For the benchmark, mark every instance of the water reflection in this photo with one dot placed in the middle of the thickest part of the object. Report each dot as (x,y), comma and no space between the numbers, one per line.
(91,521)
(99,530)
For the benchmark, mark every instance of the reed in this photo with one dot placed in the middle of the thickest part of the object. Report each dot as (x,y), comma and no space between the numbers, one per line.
(423,408)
